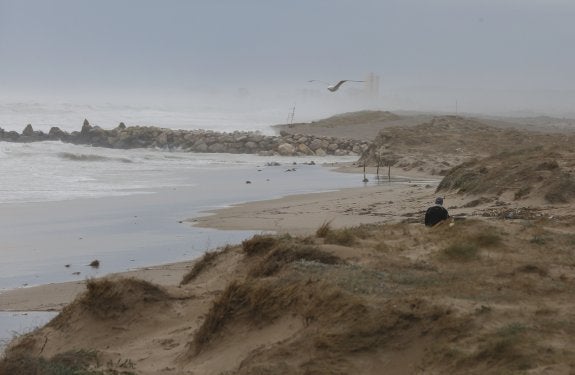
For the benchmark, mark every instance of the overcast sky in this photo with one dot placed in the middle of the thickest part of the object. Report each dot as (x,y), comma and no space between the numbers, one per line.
(70,47)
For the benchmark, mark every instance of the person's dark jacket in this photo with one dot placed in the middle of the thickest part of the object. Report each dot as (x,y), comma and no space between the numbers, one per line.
(435,214)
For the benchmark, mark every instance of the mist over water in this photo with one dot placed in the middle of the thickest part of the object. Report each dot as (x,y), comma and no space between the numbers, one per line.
(242,109)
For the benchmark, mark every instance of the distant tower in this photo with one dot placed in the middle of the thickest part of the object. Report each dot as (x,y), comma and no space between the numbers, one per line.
(372,85)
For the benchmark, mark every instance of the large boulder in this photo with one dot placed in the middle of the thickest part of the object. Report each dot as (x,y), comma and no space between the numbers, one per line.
(217,147)
(28,131)
(86,127)
(304,149)
(315,144)
(286,149)
(56,133)
(320,152)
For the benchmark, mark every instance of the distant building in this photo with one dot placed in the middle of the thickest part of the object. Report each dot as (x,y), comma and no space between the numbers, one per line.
(372,85)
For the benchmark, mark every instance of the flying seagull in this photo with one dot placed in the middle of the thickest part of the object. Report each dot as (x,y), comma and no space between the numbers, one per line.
(335,87)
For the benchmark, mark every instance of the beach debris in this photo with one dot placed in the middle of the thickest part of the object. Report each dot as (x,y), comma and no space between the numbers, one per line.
(273,164)
(95,263)
(67,266)
(75,273)
(248,182)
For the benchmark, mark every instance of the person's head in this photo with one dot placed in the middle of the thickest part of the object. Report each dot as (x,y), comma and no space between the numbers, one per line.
(439,201)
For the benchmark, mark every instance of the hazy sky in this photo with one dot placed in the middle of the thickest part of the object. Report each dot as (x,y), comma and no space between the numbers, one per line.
(70,47)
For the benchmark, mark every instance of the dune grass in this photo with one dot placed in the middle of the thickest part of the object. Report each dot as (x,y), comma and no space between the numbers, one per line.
(79,362)
(461,252)
(253,300)
(288,253)
(106,298)
(206,261)
(259,244)
(324,229)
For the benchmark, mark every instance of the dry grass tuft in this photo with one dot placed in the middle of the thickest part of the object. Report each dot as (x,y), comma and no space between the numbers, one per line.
(259,244)
(508,171)
(461,252)
(377,327)
(508,346)
(343,237)
(288,253)
(206,261)
(107,299)
(360,327)
(561,189)
(68,363)
(487,238)
(531,268)
(255,301)
(324,229)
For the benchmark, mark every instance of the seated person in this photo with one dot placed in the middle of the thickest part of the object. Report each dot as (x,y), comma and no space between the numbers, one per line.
(436,214)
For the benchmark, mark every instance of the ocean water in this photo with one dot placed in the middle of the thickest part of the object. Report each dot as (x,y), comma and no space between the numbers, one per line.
(69,204)
(63,205)
(53,193)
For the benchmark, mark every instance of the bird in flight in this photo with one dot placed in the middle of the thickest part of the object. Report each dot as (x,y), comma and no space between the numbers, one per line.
(335,87)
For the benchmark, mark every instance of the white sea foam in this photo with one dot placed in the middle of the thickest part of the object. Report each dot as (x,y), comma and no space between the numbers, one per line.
(48,171)
(51,171)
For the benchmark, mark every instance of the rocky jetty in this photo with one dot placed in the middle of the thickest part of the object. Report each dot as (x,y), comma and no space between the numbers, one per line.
(123,137)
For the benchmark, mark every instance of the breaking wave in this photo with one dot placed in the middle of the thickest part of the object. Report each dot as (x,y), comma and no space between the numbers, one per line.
(88,157)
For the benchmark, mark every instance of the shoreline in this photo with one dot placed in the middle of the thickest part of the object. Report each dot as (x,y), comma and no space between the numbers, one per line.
(139,230)
(298,214)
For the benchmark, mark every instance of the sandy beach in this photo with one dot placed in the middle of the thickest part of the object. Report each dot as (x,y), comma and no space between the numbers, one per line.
(298,214)
(490,291)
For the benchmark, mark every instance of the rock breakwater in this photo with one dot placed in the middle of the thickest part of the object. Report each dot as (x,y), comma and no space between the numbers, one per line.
(123,137)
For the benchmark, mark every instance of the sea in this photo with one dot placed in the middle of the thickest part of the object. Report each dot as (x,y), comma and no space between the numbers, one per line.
(64,205)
